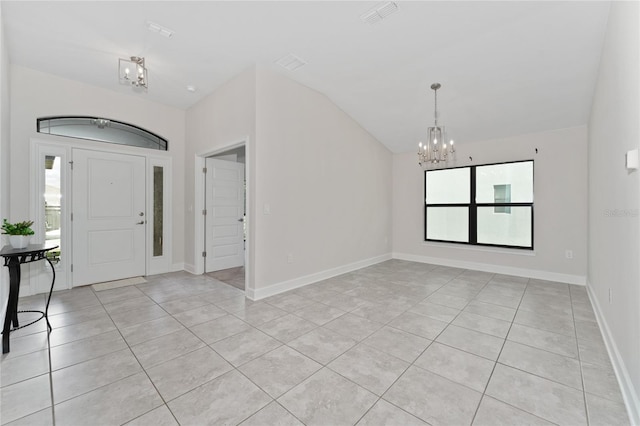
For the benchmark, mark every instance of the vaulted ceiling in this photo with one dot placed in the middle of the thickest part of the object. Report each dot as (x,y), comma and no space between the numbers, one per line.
(506,68)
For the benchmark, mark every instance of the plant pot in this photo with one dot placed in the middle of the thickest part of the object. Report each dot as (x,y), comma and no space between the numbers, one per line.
(19,241)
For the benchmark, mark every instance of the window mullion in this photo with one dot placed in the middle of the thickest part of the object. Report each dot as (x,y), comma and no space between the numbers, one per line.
(473,210)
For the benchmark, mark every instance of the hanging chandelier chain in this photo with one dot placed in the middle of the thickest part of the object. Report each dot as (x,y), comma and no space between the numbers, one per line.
(435,111)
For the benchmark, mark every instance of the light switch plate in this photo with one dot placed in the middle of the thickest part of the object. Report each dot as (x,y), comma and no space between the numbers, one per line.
(632,159)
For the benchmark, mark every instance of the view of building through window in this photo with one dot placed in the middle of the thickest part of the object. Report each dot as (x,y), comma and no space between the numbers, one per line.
(502,194)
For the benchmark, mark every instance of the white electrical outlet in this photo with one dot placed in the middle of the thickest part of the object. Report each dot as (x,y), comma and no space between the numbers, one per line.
(568,254)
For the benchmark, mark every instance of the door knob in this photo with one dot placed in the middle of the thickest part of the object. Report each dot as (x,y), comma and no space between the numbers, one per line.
(140,223)
(241,220)
(141,214)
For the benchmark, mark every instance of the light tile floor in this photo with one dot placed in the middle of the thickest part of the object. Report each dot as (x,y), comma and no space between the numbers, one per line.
(398,343)
(231,276)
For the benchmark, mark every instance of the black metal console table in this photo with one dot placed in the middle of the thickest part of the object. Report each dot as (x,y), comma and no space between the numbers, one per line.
(13,258)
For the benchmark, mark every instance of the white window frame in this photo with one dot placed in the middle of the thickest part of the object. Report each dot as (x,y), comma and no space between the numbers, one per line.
(159,264)
(40,272)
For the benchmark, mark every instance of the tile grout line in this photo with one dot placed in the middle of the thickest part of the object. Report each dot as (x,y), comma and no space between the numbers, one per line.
(357,342)
(165,403)
(100,303)
(584,389)
(412,364)
(498,357)
(233,367)
(53,409)
(137,360)
(50,372)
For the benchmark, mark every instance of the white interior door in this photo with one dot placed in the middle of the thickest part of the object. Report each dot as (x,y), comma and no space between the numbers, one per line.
(225,211)
(109,218)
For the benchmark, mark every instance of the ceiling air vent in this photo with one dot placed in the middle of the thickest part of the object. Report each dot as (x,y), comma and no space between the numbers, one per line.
(379,12)
(157,28)
(291,62)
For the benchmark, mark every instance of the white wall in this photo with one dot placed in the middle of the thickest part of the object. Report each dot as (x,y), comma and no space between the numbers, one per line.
(35,94)
(224,117)
(326,181)
(4,152)
(614,198)
(560,219)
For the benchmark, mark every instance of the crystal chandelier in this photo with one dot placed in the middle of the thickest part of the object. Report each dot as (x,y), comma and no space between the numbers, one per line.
(132,71)
(435,149)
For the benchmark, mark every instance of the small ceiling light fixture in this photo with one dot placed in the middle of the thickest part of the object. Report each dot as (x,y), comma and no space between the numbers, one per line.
(133,72)
(379,12)
(435,149)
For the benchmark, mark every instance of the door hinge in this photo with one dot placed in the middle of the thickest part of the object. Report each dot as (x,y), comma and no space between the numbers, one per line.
(72,267)
(71,164)
(204,170)
(204,254)
(204,212)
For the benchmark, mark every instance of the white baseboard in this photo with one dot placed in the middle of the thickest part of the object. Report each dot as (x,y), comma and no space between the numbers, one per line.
(190,268)
(176,267)
(272,290)
(629,394)
(496,269)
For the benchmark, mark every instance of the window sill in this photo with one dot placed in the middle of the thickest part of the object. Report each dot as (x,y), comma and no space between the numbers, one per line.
(500,250)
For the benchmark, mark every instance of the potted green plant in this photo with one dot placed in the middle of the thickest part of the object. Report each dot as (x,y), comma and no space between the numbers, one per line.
(19,233)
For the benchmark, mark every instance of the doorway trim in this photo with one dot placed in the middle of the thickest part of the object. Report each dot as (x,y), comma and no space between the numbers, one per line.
(199,205)
(58,144)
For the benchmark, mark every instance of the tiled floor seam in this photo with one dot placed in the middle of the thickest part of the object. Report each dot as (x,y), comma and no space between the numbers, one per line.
(379,397)
(166,403)
(53,403)
(233,368)
(273,400)
(541,349)
(139,363)
(50,372)
(584,389)
(53,407)
(412,364)
(539,376)
(484,391)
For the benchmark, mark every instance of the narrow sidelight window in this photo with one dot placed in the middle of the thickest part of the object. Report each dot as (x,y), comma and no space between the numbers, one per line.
(158,210)
(52,204)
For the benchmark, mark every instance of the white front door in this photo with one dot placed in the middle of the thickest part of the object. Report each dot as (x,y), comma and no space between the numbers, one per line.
(108,216)
(225,211)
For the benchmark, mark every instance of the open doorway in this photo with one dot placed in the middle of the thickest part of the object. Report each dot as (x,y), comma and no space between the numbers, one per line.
(225,218)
